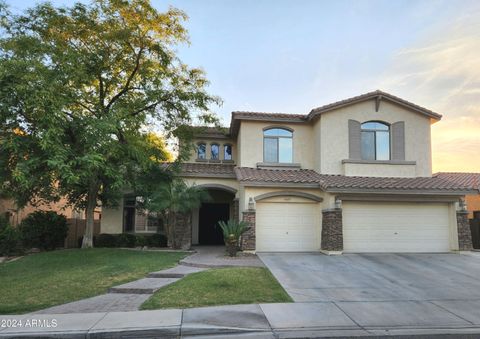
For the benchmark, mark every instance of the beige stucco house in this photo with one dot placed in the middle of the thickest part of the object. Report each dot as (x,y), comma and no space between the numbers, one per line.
(351,176)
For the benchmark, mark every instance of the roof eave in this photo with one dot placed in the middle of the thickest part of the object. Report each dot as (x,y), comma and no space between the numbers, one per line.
(459,192)
(278,184)
(372,95)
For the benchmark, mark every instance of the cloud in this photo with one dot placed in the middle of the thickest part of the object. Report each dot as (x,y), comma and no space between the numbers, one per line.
(442,72)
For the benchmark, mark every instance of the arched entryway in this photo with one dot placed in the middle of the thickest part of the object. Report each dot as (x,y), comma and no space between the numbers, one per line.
(220,207)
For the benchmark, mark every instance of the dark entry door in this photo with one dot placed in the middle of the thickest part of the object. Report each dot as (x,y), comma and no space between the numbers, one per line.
(129,219)
(209,216)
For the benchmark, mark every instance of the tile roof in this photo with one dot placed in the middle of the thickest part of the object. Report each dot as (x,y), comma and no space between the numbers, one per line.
(339,183)
(471,180)
(370,95)
(335,182)
(266,115)
(263,116)
(211,132)
(202,169)
(286,117)
(304,176)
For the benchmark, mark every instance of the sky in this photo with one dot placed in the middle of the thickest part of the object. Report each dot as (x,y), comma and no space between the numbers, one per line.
(292,56)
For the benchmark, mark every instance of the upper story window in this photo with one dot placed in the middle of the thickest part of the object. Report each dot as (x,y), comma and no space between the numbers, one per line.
(278,145)
(375,141)
(215,152)
(201,151)
(227,152)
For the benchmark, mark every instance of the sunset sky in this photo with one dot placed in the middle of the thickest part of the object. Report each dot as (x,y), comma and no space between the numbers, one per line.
(291,56)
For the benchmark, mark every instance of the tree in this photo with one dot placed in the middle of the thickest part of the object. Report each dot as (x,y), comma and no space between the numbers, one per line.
(80,89)
(171,199)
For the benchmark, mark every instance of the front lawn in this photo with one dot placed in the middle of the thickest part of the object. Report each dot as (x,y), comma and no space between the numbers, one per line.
(51,278)
(224,286)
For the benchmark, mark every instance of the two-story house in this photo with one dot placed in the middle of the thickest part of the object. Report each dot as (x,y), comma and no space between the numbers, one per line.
(351,176)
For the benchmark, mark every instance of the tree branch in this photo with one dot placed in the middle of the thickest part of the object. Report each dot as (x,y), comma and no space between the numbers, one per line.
(129,80)
(144,108)
(101,99)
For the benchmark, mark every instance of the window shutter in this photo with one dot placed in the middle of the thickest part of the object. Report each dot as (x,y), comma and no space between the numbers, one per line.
(354,140)
(398,140)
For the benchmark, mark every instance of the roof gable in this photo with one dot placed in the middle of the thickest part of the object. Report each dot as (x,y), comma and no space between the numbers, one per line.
(378,96)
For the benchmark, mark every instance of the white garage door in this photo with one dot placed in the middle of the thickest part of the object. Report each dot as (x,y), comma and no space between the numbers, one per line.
(399,227)
(287,227)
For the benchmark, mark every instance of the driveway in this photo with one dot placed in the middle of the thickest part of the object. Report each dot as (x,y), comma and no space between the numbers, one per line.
(376,277)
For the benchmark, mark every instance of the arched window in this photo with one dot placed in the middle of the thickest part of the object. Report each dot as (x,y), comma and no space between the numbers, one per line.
(227,152)
(215,152)
(201,151)
(375,141)
(278,145)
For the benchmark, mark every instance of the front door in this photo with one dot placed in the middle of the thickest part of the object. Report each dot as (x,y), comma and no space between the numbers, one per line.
(129,219)
(209,216)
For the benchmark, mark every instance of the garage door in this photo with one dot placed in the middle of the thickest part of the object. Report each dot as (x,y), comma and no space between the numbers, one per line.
(287,227)
(399,227)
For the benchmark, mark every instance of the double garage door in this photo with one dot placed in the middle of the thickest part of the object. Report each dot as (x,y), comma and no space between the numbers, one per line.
(395,227)
(367,227)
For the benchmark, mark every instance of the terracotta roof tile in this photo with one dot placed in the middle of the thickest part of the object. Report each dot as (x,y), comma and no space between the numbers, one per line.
(247,174)
(471,180)
(341,183)
(266,115)
(199,169)
(389,183)
(210,131)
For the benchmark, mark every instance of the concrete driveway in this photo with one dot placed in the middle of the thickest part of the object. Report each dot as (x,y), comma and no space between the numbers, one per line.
(376,277)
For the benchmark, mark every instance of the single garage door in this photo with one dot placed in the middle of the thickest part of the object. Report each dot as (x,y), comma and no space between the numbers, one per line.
(395,227)
(287,227)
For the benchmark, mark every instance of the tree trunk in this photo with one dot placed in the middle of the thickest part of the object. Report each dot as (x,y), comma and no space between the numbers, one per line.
(172,230)
(90,216)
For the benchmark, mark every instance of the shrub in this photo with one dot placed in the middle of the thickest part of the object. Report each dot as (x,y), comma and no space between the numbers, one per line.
(126,240)
(44,229)
(3,222)
(10,241)
(156,240)
(141,241)
(129,240)
(232,229)
(104,240)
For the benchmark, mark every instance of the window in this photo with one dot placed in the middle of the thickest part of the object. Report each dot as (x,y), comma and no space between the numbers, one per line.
(227,152)
(278,145)
(201,151)
(375,141)
(215,152)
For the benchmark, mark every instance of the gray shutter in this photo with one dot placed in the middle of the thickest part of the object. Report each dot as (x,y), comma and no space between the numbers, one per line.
(398,141)
(354,140)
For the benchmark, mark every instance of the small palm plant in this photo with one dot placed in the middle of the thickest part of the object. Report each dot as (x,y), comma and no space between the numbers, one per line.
(232,231)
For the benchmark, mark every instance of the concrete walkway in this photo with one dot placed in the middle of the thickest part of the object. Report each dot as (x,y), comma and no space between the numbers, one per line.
(284,320)
(130,296)
(126,297)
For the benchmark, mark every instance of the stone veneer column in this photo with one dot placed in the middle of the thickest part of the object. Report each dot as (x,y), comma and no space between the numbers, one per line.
(236,208)
(332,230)
(464,232)
(183,232)
(248,238)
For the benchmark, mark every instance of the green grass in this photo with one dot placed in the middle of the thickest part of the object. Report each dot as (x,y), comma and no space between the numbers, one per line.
(224,286)
(51,278)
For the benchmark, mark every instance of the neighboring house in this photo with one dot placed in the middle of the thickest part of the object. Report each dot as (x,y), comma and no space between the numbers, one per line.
(465,179)
(15,215)
(352,176)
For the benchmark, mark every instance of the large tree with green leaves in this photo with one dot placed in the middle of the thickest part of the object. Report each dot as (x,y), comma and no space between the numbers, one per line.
(80,88)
